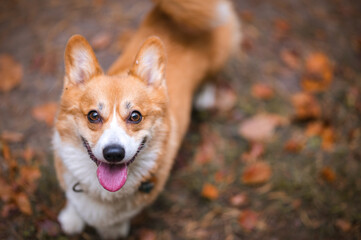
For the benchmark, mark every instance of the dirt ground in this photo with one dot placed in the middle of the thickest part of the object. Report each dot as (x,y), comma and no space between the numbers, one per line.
(277,157)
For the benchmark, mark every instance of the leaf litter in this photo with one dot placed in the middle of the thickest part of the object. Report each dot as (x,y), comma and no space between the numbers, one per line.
(11,73)
(314,187)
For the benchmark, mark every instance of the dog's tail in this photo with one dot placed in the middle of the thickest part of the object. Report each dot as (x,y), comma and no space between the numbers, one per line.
(198,15)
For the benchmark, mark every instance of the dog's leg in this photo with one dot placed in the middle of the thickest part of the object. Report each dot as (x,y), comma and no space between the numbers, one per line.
(116,231)
(70,221)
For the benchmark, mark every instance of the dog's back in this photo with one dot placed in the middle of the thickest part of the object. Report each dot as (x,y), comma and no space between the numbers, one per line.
(199,36)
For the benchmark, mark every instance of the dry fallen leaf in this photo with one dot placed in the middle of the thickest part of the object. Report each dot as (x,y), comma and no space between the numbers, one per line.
(293,146)
(256,151)
(291,59)
(209,191)
(262,91)
(306,106)
(224,177)
(147,234)
(226,99)
(328,138)
(28,154)
(248,220)
(246,16)
(101,40)
(328,174)
(256,173)
(314,128)
(22,201)
(12,137)
(343,225)
(45,113)
(28,177)
(6,191)
(246,44)
(11,73)
(205,152)
(319,73)
(260,128)
(282,27)
(296,203)
(9,160)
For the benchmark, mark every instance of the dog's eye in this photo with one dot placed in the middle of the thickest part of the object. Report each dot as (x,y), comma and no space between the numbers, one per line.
(135,117)
(94,117)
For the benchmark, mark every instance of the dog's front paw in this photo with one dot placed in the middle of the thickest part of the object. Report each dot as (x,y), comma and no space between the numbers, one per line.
(70,221)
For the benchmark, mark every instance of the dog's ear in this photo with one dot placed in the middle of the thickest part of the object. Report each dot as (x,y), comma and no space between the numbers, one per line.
(150,62)
(80,61)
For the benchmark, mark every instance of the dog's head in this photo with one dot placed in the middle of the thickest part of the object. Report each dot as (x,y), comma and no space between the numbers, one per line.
(113,117)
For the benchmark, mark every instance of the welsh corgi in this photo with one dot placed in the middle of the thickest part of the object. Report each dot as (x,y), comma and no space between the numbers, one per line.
(117,133)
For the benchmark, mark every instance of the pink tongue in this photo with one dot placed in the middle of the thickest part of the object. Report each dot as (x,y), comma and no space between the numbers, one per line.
(112,177)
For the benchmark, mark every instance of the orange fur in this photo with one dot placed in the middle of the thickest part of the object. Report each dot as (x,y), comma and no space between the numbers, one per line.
(156,76)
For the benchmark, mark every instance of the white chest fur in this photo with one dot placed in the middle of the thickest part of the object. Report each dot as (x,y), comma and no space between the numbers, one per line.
(95,205)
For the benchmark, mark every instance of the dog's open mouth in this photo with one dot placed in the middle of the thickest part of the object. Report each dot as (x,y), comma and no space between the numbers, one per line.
(112,176)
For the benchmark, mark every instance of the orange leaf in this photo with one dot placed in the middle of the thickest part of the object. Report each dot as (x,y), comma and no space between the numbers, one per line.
(11,73)
(226,99)
(205,152)
(317,63)
(147,234)
(220,176)
(319,73)
(256,173)
(23,203)
(260,128)
(293,146)
(9,160)
(291,59)
(248,219)
(262,91)
(328,174)
(45,113)
(12,137)
(328,139)
(296,203)
(210,191)
(29,174)
(282,25)
(246,16)
(28,154)
(306,106)
(6,191)
(224,176)
(314,128)
(344,225)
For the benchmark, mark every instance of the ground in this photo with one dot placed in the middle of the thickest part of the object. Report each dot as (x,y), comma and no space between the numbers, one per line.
(277,157)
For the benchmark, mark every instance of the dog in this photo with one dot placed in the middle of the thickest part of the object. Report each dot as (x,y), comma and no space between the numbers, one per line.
(117,133)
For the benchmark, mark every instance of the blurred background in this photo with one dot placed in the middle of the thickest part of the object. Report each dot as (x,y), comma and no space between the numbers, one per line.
(276,157)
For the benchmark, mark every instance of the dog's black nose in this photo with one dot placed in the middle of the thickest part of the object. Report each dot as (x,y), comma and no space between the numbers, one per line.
(114,153)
